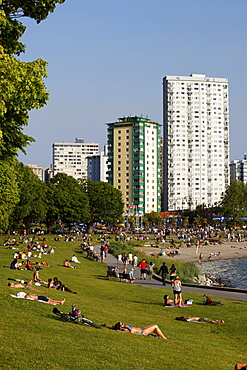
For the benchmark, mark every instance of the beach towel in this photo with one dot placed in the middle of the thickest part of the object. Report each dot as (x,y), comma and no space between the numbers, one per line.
(184,305)
(149,335)
(30,299)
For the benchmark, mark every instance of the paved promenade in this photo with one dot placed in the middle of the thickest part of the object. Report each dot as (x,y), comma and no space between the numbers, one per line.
(229,293)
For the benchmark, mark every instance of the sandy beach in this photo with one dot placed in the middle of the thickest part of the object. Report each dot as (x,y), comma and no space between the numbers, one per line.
(228,250)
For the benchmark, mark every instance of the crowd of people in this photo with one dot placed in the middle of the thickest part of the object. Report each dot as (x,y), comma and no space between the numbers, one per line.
(128,262)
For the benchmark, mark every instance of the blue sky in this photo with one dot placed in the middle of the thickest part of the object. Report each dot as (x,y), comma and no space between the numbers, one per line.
(107,58)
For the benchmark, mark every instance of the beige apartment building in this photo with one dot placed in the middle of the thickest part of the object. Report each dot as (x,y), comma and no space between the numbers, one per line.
(134,162)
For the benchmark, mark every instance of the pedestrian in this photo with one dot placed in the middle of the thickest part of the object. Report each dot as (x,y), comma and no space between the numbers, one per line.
(177,291)
(143,266)
(164,271)
(119,260)
(172,272)
(150,270)
(135,261)
(200,258)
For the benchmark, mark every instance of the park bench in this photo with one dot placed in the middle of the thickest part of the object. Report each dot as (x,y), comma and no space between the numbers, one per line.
(111,273)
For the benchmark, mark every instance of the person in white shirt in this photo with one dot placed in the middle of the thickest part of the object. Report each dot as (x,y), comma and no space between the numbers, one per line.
(74,259)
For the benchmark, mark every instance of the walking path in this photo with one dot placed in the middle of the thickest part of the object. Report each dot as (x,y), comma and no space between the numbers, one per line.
(156,282)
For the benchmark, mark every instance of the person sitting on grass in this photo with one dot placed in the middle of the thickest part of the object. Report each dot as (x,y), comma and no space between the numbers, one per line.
(58,285)
(137,330)
(200,319)
(14,265)
(36,277)
(168,301)
(27,286)
(67,264)
(75,259)
(39,298)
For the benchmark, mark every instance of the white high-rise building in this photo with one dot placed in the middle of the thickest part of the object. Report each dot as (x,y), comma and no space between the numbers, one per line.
(238,169)
(196,140)
(71,158)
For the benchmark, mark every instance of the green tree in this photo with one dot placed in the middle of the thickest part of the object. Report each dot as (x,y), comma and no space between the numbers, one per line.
(22,89)
(185,221)
(154,219)
(9,192)
(32,203)
(21,84)
(68,200)
(105,201)
(12,29)
(52,213)
(234,201)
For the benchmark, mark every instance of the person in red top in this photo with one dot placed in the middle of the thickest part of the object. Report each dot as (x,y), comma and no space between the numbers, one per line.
(143,266)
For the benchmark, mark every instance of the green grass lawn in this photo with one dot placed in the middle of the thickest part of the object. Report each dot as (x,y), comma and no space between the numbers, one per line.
(33,337)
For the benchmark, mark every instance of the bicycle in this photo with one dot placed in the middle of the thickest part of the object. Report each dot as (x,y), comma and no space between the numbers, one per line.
(75,317)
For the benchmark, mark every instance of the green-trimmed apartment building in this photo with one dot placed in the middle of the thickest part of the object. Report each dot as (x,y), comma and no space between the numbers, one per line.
(135,162)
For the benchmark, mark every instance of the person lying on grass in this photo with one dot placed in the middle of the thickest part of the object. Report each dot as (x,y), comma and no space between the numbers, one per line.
(39,298)
(136,330)
(200,319)
(57,284)
(27,286)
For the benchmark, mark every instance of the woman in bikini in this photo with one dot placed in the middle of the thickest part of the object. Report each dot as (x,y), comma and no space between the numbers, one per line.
(136,330)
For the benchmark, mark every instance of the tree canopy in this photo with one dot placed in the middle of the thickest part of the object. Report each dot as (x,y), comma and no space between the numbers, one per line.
(9,193)
(22,89)
(21,83)
(12,29)
(105,202)
(68,200)
(234,201)
(32,204)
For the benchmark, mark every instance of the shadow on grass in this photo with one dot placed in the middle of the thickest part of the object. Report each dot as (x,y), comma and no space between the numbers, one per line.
(149,303)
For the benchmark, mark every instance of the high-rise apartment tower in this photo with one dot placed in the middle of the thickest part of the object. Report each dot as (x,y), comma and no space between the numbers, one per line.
(238,169)
(134,162)
(196,140)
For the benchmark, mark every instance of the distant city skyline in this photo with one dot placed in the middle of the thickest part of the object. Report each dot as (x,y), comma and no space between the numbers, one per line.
(108,59)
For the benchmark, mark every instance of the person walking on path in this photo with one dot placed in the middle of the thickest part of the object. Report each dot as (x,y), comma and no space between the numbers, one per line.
(135,261)
(119,260)
(164,271)
(150,270)
(172,272)
(143,266)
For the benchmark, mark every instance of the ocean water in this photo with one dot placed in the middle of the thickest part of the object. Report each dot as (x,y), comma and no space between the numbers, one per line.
(233,272)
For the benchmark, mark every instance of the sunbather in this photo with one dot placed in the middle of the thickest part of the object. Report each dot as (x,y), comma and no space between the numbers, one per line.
(168,301)
(27,286)
(57,284)
(200,319)
(137,330)
(37,279)
(39,298)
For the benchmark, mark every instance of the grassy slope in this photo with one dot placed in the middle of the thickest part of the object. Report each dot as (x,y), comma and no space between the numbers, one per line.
(32,336)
